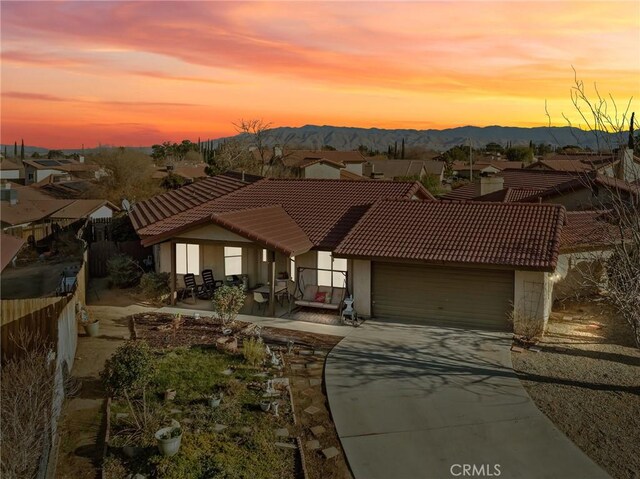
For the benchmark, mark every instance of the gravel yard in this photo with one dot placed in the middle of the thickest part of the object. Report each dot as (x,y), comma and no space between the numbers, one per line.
(586,379)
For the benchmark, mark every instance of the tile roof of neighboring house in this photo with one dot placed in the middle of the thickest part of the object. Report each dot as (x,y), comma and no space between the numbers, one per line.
(462,166)
(324,209)
(522,236)
(71,189)
(306,162)
(503,164)
(60,164)
(163,206)
(575,166)
(9,247)
(590,180)
(510,195)
(269,226)
(516,178)
(28,211)
(333,155)
(406,168)
(189,172)
(588,230)
(8,165)
(350,175)
(78,209)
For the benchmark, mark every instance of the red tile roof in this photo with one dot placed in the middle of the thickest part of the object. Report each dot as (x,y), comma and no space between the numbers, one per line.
(511,195)
(324,209)
(521,236)
(588,230)
(148,212)
(516,178)
(270,226)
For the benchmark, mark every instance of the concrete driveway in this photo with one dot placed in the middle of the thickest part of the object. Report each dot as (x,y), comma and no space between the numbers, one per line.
(417,401)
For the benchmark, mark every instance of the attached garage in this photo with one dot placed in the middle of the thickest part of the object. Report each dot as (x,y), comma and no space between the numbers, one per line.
(463,297)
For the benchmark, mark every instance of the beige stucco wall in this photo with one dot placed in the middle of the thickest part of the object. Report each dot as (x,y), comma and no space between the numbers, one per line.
(322,171)
(532,299)
(354,168)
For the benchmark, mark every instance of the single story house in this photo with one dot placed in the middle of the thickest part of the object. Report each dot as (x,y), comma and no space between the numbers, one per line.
(36,170)
(402,254)
(10,170)
(403,169)
(325,164)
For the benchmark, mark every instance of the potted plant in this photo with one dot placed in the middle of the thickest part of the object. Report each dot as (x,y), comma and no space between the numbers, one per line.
(91,325)
(169,439)
(265,405)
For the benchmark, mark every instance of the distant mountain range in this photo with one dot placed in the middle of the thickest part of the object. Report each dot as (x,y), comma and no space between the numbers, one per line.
(347,138)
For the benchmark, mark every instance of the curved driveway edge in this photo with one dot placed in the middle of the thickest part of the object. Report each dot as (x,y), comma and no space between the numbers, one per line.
(419,401)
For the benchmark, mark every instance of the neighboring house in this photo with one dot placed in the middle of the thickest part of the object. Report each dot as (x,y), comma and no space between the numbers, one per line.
(65,187)
(9,248)
(10,170)
(475,170)
(622,165)
(37,170)
(83,209)
(189,173)
(405,256)
(27,212)
(319,164)
(403,169)
(586,242)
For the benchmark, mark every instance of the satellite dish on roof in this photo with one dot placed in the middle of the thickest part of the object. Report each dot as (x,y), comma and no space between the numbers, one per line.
(126,205)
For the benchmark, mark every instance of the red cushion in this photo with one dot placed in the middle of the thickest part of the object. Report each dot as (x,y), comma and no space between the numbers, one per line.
(320,297)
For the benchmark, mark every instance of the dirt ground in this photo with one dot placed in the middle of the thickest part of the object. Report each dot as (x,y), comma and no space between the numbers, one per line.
(586,379)
(81,425)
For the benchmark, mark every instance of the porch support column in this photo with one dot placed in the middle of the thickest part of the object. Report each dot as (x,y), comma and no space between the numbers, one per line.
(173,273)
(272,283)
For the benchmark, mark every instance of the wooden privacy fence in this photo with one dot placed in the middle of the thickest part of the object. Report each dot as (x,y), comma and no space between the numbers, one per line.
(40,323)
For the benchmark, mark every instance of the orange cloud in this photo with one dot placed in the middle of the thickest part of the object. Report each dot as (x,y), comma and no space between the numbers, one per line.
(197,66)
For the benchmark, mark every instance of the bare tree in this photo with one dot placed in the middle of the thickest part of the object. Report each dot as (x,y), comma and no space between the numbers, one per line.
(620,197)
(30,381)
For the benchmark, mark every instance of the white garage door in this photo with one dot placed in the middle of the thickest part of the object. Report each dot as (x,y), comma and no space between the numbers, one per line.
(449,296)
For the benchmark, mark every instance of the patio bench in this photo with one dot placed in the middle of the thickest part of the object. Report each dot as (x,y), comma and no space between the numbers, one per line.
(333,297)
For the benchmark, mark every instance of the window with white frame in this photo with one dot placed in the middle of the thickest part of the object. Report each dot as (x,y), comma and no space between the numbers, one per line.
(187,258)
(232,260)
(330,270)
(292,268)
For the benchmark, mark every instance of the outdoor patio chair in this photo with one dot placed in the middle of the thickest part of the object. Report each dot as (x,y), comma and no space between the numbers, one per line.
(260,300)
(210,282)
(194,289)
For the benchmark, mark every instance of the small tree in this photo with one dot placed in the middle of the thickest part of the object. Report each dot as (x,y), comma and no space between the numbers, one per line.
(227,302)
(123,271)
(127,374)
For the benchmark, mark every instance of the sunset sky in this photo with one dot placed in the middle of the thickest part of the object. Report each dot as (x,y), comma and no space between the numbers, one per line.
(138,73)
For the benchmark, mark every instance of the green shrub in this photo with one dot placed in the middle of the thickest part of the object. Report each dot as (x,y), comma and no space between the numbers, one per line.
(129,370)
(254,351)
(227,302)
(155,285)
(124,272)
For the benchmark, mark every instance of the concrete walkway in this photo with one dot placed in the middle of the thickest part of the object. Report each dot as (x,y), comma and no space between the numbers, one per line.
(417,401)
(282,323)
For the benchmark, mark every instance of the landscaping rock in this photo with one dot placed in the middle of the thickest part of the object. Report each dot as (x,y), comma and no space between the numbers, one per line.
(280,382)
(297,367)
(122,415)
(219,427)
(315,382)
(314,365)
(313,445)
(318,431)
(309,392)
(330,452)
(227,372)
(312,410)
(175,411)
(282,432)
(305,352)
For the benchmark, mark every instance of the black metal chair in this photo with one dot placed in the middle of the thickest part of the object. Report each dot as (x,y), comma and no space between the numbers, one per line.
(194,289)
(210,282)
